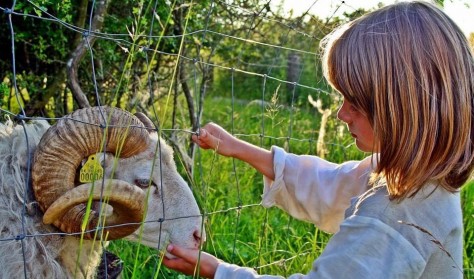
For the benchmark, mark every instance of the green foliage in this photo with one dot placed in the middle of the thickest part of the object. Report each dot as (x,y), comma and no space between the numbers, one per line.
(261,59)
(128,60)
(41,48)
(467,195)
(46,45)
(4,93)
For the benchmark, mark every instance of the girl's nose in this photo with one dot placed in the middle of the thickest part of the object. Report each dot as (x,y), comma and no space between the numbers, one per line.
(343,113)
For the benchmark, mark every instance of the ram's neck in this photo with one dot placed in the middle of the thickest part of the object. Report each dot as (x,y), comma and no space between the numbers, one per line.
(81,261)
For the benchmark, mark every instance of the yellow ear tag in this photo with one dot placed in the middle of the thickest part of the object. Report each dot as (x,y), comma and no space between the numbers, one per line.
(91,171)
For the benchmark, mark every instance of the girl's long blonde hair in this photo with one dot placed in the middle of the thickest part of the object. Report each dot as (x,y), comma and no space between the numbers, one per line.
(409,67)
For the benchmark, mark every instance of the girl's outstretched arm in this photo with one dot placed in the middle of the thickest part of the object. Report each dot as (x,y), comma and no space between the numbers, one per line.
(213,136)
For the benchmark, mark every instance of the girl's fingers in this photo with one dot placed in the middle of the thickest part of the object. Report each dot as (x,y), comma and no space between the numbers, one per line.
(185,260)
(199,139)
(189,255)
(205,139)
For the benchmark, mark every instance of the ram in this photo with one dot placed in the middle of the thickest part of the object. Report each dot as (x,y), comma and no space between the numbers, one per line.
(51,223)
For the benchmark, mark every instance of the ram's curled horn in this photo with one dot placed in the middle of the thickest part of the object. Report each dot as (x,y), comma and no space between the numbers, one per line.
(59,155)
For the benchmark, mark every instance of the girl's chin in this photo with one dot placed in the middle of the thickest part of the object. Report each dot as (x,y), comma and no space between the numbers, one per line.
(362,147)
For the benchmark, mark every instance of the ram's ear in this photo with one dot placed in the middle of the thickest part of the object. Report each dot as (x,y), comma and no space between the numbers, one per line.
(107,160)
(149,125)
(26,140)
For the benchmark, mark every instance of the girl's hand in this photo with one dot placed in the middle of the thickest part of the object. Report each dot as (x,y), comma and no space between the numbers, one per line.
(188,261)
(213,136)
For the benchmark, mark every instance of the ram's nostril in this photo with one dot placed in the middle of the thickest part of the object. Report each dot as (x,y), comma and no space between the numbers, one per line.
(197,237)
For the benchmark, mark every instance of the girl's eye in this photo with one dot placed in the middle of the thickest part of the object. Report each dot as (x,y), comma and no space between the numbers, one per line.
(144,183)
(352,108)
(349,106)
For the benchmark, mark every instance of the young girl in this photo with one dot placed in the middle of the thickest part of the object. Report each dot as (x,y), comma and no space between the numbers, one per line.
(407,77)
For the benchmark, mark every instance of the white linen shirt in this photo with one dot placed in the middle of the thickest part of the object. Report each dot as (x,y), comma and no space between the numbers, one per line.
(419,237)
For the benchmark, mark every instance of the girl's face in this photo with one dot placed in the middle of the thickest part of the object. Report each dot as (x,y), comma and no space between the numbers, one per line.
(359,127)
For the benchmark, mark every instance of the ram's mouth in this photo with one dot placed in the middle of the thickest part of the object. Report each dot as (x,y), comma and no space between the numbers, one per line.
(151,239)
(110,267)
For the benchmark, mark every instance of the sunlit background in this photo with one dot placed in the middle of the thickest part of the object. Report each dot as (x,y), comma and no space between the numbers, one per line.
(461,11)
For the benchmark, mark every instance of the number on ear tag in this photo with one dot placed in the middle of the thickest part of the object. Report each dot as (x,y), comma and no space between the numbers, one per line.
(91,171)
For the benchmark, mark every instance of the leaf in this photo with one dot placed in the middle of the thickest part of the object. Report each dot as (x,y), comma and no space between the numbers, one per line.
(38,12)
(124,49)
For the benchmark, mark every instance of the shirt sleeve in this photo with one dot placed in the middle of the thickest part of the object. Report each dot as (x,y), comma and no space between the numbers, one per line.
(315,190)
(363,248)
(232,271)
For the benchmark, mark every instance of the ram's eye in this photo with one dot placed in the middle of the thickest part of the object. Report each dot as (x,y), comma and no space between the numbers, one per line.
(144,183)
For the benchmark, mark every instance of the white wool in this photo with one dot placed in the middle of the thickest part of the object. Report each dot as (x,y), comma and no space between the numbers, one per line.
(39,255)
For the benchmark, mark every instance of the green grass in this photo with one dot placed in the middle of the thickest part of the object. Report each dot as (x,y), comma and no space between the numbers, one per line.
(238,229)
(467,195)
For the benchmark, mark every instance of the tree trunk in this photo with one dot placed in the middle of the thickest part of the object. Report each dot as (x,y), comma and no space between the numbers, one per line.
(292,76)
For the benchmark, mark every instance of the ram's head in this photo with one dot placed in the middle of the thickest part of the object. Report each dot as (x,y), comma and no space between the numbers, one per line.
(140,186)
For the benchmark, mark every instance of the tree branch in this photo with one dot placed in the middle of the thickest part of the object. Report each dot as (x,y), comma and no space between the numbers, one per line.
(77,55)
